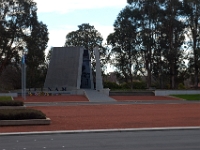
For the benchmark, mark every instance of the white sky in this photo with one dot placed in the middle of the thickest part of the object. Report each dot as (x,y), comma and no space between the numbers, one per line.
(64,6)
(64,16)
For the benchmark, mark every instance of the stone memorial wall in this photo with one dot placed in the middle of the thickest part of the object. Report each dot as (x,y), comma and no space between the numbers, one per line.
(64,72)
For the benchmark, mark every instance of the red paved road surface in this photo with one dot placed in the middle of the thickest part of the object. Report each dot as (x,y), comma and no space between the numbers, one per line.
(58,98)
(115,116)
(155,98)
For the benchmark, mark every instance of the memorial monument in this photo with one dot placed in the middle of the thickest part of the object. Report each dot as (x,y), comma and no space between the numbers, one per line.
(70,69)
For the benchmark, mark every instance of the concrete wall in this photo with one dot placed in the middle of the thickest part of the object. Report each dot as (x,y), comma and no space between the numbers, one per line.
(134,93)
(9,94)
(64,68)
(174,92)
(72,92)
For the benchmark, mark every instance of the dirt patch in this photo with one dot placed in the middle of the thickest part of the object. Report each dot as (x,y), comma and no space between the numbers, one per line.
(115,116)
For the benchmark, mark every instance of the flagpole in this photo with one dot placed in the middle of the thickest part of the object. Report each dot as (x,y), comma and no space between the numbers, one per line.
(23,76)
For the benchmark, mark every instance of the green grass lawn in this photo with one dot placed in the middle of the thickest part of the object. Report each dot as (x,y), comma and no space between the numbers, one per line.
(190,97)
(5,98)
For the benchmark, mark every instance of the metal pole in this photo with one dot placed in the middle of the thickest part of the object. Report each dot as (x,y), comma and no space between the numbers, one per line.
(23,77)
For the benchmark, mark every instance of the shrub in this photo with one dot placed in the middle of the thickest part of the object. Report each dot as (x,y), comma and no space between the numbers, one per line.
(11,103)
(21,114)
(139,85)
(181,86)
(136,85)
(111,85)
(42,93)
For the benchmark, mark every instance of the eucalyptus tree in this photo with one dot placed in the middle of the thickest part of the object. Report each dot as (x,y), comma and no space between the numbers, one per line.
(158,30)
(35,58)
(173,28)
(88,37)
(15,20)
(133,39)
(149,33)
(124,44)
(21,31)
(149,20)
(10,77)
(159,67)
(192,17)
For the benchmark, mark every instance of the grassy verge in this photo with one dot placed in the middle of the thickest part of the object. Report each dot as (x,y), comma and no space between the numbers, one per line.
(7,101)
(21,114)
(190,97)
(5,98)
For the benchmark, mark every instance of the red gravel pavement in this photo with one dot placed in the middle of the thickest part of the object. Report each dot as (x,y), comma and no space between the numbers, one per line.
(144,98)
(57,98)
(115,116)
(110,116)
(80,98)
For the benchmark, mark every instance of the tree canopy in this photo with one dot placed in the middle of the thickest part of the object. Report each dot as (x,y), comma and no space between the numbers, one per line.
(21,31)
(150,38)
(88,37)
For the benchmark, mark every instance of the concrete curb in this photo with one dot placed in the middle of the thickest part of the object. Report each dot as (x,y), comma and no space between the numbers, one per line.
(46,121)
(100,131)
(12,107)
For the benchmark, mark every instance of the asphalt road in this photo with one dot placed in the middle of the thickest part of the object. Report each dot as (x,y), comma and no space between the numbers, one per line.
(138,140)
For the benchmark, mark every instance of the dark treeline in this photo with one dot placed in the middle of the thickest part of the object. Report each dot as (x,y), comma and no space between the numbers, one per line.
(21,32)
(158,39)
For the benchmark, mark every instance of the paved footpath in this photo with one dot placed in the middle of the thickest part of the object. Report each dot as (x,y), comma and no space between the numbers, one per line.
(107,116)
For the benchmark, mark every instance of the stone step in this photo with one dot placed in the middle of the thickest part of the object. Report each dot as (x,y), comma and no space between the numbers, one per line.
(95,96)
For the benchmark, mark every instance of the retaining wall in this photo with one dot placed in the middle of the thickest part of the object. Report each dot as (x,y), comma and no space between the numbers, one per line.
(175,92)
(9,94)
(134,93)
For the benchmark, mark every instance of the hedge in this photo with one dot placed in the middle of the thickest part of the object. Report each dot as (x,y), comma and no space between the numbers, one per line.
(21,114)
(111,85)
(136,85)
(11,103)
